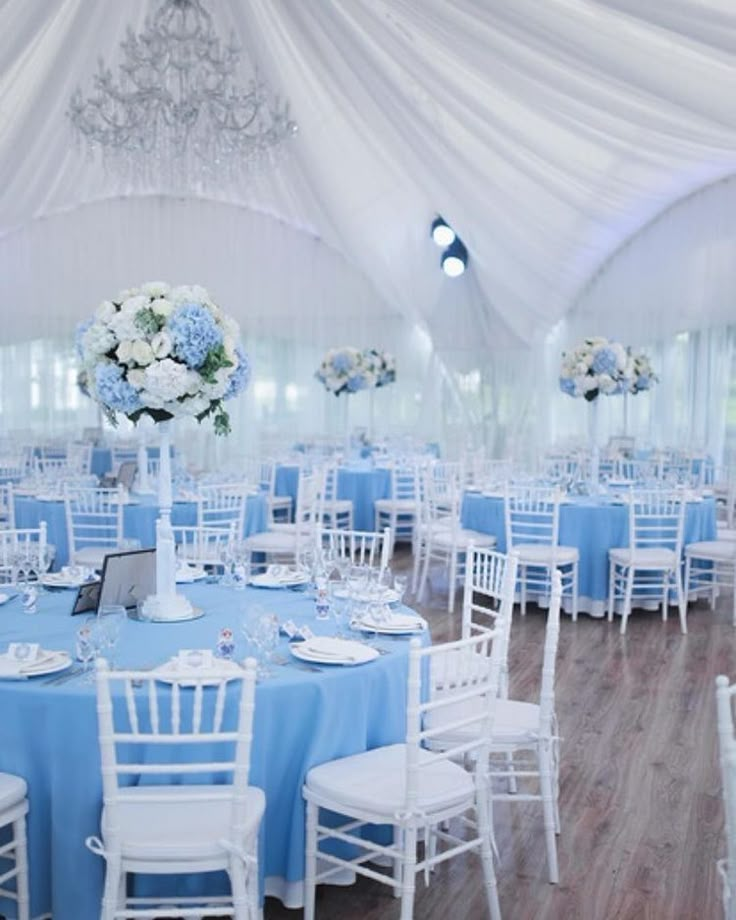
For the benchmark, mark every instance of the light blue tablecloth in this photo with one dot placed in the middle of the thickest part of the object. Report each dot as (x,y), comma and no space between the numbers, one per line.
(363,485)
(594,526)
(139,519)
(48,735)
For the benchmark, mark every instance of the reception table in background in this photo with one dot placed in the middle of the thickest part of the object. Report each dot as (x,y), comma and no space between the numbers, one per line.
(361,484)
(593,525)
(48,735)
(139,519)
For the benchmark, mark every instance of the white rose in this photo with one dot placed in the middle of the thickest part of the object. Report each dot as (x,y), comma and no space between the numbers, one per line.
(162,306)
(581,368)
(156,288)
(606,383)
(587,383)
(161,344)
(105,312)
(124,352)
(137,378)
(141,352)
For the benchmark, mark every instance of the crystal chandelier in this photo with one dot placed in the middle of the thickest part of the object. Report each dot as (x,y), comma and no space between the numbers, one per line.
(175,114)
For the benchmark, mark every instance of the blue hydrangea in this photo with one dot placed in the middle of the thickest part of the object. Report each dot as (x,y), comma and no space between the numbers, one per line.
(194,332)
(240,376)
(567,385)
(355,383)
(78,335)
(342,363)
(114,391)
(605,362)
(643,382)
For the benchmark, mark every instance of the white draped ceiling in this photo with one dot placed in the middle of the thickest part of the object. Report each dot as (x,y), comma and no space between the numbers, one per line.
(553,136)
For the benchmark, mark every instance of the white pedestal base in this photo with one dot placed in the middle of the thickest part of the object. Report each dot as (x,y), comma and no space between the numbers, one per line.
(167,608)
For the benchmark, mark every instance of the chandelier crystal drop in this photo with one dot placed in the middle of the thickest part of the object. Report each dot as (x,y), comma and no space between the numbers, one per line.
(175,114)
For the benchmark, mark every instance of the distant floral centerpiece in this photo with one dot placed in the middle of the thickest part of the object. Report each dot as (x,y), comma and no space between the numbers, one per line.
(349,370)
(162,351)
(599,366)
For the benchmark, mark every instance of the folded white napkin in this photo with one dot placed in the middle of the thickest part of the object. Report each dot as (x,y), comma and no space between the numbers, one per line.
(12,669)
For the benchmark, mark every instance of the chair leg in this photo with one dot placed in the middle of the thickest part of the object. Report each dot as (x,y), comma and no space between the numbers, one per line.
(310,869)
(397,863)
(21,863)
(485,830)
(425,570)
(681,602)
(522,578)
(238,888)
(574,592)
(112,887)
(408,873)
(453,582)
(548,807)
(611,590)
(628,592)
(511,772)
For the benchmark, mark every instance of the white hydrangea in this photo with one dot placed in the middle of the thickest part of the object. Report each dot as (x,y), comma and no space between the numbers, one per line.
(97,340)
(124,327)
(155,288)
(133,304)
(161,344)
(105,312)
(162,306)
(166,381)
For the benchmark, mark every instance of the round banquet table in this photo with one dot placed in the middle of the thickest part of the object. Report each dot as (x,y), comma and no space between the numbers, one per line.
(361,484)
(304,717)
(139,519)
(592,524)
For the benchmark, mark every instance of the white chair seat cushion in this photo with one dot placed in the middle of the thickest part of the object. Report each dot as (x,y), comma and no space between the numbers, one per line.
(644,557)
(544,554)
(719,550)
(400,505)
(12,790)
(374,782)
(338,504)
(177,830)
(462,538)
(514,722)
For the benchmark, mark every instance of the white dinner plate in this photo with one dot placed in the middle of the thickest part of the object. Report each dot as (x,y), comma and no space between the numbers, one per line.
(288,579)
(189,573)
(173,669)
(400,624)
(387,596)
(329,650)
(60,580)
(7,596)
(47,663)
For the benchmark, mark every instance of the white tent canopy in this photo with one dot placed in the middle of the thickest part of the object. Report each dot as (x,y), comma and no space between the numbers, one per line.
(557,138)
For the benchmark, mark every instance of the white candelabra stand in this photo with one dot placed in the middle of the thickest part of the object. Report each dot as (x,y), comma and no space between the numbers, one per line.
(166,604)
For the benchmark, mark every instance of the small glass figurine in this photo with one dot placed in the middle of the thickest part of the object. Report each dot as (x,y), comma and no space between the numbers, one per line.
(225,643)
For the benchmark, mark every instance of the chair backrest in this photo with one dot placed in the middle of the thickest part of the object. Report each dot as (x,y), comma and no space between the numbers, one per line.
(463,680)
(725,693)
(24,546)
(531,516)
(405,482)
(203,545)
(308,510)
(79,457)
(194,728)
(122,452)
(656,519)
(329,474)
(362,547)
(488,597)
(549,660)
(640,471)
(222,505)
(94,517)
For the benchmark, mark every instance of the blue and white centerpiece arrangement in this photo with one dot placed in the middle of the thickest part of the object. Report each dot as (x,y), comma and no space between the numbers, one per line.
(350,370)
(166,353)
(598,366)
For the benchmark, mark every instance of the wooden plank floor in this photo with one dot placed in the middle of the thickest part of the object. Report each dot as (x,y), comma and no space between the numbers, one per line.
(642,820)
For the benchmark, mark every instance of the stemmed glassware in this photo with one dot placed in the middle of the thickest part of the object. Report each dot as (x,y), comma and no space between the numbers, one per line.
(87,646)
(110,620)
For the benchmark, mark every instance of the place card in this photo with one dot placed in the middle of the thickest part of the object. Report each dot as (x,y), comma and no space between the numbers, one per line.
(23,651)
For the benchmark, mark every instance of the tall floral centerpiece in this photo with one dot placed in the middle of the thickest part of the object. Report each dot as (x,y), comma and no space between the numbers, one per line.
(595,367)
(350,370)
(166,353)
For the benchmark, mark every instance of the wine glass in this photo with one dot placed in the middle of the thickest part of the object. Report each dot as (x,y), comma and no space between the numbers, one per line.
(401,583)
(266,638)
(87,646)
(110,620)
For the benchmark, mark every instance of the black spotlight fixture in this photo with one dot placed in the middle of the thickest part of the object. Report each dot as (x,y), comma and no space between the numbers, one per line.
(442,232)
(454,258)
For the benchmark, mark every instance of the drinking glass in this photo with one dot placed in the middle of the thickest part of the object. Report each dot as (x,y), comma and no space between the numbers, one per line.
(401,583)
(110,620)
(87,647)
(266,637)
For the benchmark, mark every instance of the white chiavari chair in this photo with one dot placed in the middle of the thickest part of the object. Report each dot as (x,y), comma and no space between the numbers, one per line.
(7,505)
(26,548)
(199,814)
(94,523)
(402,509)
(361,547)
(336,512)
(222,505)
(203,546)
(421,790)
(648,569)
(14,847)
(289,542)
(532,522)
(709,566)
